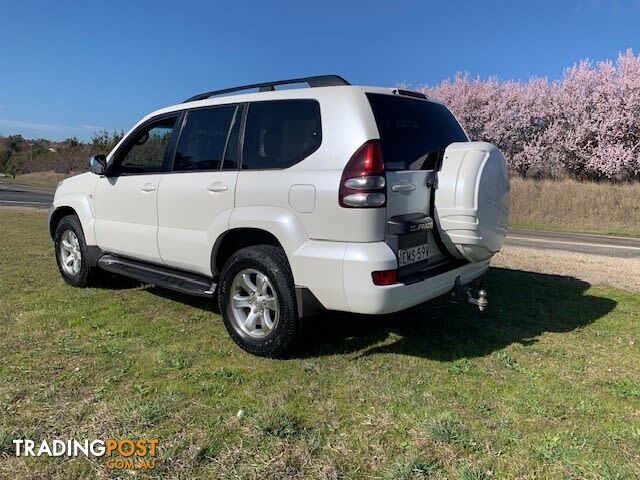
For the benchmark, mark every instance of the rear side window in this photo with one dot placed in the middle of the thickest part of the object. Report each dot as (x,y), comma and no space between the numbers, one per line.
(203,139)
(280,133)
(414,133)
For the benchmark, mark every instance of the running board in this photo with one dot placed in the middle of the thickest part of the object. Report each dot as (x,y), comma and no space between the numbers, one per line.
(165,277)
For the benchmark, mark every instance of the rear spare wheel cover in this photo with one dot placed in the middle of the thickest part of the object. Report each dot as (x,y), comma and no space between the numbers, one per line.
(472,200)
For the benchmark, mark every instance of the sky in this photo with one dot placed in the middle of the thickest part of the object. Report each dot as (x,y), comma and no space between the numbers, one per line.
(72,68)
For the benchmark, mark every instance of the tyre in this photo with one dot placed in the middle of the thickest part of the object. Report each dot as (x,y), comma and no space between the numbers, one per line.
(256,296)
(71,252)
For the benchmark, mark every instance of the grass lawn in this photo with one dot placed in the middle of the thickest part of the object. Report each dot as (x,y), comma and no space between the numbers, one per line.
(545,384)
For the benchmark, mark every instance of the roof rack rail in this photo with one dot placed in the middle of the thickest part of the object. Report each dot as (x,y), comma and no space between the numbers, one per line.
(317,81)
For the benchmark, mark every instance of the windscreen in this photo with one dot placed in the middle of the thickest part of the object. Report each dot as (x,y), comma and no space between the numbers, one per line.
(414,133)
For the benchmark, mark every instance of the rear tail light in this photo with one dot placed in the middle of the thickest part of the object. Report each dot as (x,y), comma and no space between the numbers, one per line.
(364,200)
(363,182)
(385,277)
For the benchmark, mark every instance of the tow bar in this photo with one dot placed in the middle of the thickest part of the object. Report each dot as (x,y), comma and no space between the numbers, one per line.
(462,291)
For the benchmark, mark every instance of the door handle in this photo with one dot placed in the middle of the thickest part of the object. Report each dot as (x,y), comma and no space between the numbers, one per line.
(403,187)
(217,187)
(148,187)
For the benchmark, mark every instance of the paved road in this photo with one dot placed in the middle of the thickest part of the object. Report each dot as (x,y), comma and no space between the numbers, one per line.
(27,196)
(575,242)
(13,195)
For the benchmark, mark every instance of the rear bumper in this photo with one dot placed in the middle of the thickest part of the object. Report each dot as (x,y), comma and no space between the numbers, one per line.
(365,297)
(339,275)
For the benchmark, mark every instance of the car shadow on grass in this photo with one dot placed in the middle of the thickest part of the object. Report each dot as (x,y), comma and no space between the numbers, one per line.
(522,306)
(112,281)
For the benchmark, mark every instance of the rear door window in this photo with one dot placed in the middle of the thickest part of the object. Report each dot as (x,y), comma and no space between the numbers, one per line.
(280,133)
(414,133)
(204,138)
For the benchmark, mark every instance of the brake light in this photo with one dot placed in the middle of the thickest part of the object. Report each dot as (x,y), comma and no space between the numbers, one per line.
(409,93)
(363,182)
(385,277)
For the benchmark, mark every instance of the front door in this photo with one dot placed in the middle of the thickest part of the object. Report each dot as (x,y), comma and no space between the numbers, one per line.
(126,198)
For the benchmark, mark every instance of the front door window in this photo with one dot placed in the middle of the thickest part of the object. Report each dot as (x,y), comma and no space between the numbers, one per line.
(146,153)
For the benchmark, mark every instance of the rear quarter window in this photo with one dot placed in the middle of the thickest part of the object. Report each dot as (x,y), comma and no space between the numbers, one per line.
(414,133)
(280,133)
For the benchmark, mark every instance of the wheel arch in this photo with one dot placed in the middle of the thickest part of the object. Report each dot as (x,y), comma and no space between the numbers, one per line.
(264,225)
(233,240)
(74,204)
(93,253)
(57,215)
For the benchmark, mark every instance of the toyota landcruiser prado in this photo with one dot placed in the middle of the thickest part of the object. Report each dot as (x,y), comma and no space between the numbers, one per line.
(287,201)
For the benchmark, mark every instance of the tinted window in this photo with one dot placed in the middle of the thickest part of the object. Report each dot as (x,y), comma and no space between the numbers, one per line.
(414,133)
(281,133)
(203,138)
(146,151)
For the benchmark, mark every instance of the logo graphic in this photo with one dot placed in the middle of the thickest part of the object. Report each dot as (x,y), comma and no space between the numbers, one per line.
(130,454)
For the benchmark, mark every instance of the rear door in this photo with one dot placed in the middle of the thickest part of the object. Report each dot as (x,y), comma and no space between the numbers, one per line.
(196,199)
(414,133)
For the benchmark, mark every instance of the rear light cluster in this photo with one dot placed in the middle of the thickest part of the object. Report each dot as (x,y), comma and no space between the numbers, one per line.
(363,182)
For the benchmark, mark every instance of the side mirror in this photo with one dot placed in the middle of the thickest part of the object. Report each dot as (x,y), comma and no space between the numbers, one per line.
(98,164)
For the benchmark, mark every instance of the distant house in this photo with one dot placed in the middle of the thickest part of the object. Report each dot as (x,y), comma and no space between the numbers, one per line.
(51,149)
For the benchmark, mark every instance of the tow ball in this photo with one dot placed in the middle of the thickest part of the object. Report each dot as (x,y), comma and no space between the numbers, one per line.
(463,291)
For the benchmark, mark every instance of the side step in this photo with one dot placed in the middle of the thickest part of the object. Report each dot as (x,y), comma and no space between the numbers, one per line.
(166,277)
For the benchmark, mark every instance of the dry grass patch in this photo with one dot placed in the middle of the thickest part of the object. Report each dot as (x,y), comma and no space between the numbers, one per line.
(596,269)
(570,205)
(47,179)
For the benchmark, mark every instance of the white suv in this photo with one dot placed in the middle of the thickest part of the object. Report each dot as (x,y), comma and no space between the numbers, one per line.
(288,201)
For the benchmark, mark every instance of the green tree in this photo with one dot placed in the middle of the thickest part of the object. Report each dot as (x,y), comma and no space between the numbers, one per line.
(12,167)
(73,142)
(15,142)
(5,155)
(103,141)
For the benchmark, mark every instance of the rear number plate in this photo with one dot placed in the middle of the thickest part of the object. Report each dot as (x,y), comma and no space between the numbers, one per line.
(407,256)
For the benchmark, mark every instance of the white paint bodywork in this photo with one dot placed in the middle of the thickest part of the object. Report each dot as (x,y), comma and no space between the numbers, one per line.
(193,211)
(77,193)
(332,250)
(126,215)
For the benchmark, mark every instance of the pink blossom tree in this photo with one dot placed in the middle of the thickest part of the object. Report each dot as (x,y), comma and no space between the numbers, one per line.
(586,125)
